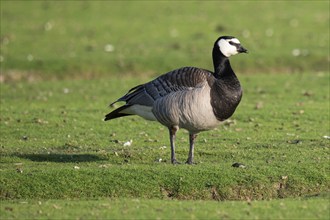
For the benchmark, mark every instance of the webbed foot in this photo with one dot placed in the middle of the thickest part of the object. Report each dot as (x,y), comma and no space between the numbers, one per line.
(174,162)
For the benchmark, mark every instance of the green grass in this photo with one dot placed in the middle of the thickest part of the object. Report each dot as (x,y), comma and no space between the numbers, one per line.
(306,208)
(277,132)
(55,39)
(58,159)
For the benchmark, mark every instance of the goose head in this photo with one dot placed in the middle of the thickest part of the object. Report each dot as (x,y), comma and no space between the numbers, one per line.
(229,46)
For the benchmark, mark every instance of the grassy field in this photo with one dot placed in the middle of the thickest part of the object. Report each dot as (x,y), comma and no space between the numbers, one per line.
(59,148)
(47,39)
(307,208)
(62,63)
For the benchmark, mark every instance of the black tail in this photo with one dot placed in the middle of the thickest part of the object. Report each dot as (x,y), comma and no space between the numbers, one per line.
(117,113)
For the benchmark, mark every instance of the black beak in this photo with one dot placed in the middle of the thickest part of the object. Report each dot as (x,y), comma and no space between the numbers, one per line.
(241,49)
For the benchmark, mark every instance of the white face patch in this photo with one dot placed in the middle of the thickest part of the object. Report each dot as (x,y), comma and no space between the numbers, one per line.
(235,40)
(226,48)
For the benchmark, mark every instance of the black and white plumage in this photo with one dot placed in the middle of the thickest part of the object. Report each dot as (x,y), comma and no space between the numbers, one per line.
(191,98)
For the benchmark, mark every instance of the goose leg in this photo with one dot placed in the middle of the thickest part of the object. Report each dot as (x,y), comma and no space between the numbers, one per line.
(192,138)
(173,131)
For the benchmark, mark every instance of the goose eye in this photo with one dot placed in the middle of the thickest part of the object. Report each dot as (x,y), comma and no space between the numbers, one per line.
(232,43)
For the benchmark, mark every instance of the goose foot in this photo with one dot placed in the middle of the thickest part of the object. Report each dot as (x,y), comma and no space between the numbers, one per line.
(174,162)
(190,162)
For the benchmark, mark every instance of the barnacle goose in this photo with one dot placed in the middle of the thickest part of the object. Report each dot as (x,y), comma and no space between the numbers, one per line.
(189,97)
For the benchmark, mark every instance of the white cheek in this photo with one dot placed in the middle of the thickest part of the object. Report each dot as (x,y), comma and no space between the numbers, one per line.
(235,40)
(226,48)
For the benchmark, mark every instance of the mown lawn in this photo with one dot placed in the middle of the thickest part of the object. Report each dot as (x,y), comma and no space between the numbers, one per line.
(305,208)
(62,63)
(48,39)
(59,148)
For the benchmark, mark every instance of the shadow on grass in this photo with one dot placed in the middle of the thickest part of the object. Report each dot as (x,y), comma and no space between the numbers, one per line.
(61,158)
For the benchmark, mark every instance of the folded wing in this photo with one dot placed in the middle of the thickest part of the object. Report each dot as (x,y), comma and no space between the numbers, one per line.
(186,78)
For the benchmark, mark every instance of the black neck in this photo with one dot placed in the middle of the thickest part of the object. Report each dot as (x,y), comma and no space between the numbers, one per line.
(222,68)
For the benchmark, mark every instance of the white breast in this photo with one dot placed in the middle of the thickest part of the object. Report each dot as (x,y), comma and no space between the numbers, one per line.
(197,113)
(190,109)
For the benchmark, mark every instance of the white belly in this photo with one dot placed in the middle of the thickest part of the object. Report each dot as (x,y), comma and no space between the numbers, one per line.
(197,113)
(189,109)
(141,110)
